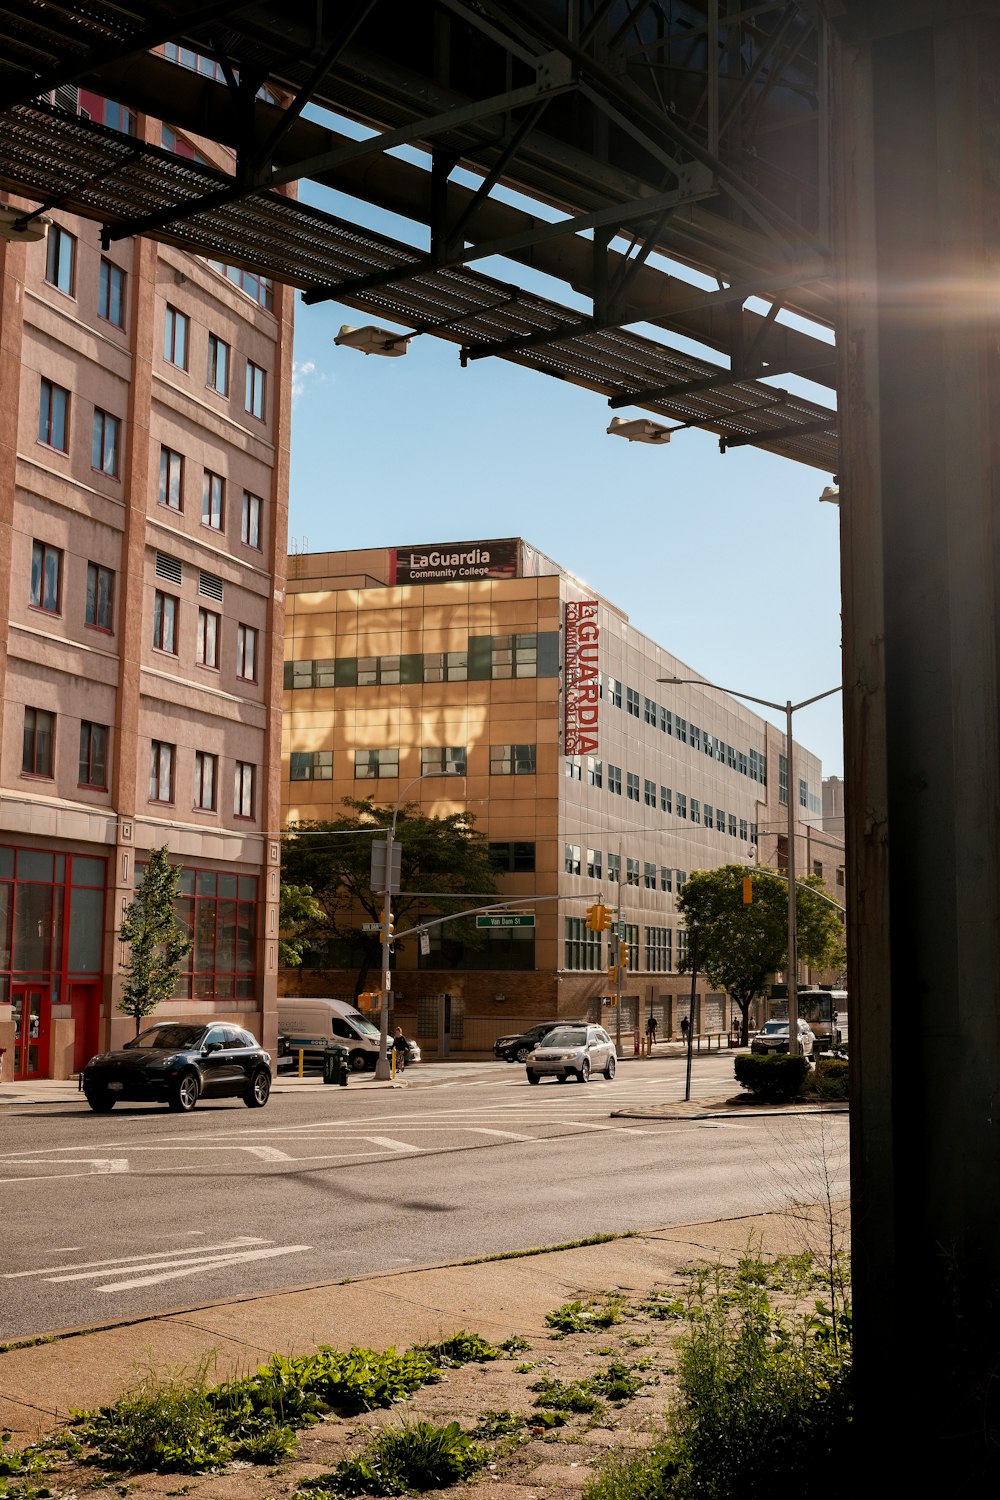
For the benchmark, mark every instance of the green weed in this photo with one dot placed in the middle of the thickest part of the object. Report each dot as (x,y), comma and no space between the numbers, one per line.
(572,1395)
(419,1456)
(498,1424)
(576,1317)
(468,1348)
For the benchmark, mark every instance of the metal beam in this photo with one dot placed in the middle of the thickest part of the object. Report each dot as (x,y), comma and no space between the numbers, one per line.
(777,434)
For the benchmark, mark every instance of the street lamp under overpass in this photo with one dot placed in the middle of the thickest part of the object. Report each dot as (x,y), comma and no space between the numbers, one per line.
(788,708)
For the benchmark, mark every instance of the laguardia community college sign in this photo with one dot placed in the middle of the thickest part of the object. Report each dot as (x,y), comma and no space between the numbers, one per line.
(582,679)
(445,562)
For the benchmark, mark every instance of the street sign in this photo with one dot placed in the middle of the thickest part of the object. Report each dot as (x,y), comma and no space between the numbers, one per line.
(621,932)
(520,919)
(425,943)
(371,927)
(377,877)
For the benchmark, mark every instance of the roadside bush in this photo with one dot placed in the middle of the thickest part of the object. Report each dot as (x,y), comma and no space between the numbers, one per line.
(420,1457)
(773,1078)
(828,1079)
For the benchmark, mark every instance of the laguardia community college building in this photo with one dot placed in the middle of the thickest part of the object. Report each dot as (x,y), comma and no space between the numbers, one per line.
(589,776)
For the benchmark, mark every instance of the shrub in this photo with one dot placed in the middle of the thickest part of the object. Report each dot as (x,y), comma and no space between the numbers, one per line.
(774,1078)
(419,1456)
(168,1426)
(829,1078)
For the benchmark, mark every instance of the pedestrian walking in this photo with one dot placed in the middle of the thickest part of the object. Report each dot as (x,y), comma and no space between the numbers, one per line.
(685,1028)
(651,1030)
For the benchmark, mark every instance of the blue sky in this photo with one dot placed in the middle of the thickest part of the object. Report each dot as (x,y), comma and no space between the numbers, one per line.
(729,561)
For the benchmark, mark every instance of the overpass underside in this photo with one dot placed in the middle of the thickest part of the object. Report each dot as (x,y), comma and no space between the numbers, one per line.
(713,189)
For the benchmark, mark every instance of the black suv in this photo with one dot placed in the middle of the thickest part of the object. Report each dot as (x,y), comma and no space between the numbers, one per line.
(516,1048)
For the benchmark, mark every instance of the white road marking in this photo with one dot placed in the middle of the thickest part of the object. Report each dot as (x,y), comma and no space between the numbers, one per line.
(121,1260)
(510,1135)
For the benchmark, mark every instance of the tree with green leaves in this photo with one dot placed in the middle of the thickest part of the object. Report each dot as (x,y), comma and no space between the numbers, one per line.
(738,946)
(446,857)
(298,913)
(157,944)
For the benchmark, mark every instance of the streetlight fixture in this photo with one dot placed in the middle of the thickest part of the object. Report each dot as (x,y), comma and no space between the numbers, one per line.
(382,1065)
(788,708)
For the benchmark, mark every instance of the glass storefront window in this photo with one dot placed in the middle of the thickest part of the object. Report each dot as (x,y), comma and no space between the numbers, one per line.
(86,931)
(33,925)
(34,864)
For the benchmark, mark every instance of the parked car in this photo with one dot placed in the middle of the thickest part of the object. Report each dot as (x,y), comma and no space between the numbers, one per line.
(572,1052)
(774,1038)
(515,1048)
(176,1065)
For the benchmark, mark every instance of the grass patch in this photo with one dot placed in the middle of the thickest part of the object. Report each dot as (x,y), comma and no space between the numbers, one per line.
(468,1348)
(566,1396)
(498,1424)
(593,1239)
(579,1317)
(419,1456)
(764,1409)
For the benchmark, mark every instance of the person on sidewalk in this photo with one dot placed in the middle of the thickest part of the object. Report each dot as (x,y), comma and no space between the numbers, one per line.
(399,1046)
(651,1031)
(685,1028)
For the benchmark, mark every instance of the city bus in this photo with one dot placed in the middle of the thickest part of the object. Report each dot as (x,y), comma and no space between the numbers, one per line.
(821,1008)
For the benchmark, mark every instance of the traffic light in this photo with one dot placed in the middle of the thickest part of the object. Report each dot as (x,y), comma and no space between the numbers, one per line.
(747,890)
(623,955)
(389,926)
(598,919)
(612,973)
(366,1000)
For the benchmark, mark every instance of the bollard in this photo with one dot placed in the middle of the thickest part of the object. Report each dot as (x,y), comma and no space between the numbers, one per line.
(392,1065)
(635,1040)
(302,1053)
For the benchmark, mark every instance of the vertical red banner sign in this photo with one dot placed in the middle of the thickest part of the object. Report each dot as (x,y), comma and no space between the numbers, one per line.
(582,677)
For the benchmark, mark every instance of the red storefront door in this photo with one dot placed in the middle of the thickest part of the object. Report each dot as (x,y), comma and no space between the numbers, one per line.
(32,1010)
(84,1004)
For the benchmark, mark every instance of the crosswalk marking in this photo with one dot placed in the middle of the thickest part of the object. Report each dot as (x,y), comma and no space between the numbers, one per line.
(119,1260)
(128,1272)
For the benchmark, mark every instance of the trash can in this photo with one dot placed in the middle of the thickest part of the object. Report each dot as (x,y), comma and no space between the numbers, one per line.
(335,1064)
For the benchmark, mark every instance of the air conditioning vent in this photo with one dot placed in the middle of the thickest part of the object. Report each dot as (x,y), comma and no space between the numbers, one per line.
(210,587)
(169,568)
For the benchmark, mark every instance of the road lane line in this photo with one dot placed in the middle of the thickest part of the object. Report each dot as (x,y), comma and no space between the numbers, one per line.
(127,1286)
(122,1260)
(510,1135)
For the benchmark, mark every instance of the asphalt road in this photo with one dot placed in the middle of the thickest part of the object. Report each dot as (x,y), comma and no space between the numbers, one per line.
(141,1211)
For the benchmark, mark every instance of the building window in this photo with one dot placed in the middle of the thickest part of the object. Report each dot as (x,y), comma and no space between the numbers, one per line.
(614,692)
(312,765)
(709,816)
(666,721)
(377,671)
(514,656)
(614,869)
(100,606)
(840,875)
(175,338)
(165,622)
(594,864)
(205,769)
(649,793)
(60,259)
(803,794)
(732,825)
(443,760)
(446,666)
(105,444)
(744,830)
(250,522)
(649,876)
(514,858)
(658,946)
(818,868)
(53,416)
(631,786)
(93,754)
(681,729)
(682,805)
(209,625)
(695,810)
(111,294)
(260,288)
(161,772)
(583,948)
(171,478)
(632,702)
(243,787)
(217,378)
(46,577)
(212,500)
(666,800)
(682,947)
(615,779)
(695,737)
(649,711)
(256,378)
(666,878)
(246,653)
(631,871)
(219,912)
(574,768)
(512,760)
(595,771)
(37,746)
(572,859)
(369,764)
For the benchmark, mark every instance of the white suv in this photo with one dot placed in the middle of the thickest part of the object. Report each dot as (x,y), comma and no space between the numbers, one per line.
(572,1052)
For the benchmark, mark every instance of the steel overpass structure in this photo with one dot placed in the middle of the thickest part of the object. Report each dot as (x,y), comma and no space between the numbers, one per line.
(774,221)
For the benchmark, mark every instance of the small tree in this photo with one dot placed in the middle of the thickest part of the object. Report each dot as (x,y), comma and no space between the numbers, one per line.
(298,910)
(157,943)
(739,946)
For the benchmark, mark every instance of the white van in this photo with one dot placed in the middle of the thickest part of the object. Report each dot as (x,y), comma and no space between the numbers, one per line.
(308,1023)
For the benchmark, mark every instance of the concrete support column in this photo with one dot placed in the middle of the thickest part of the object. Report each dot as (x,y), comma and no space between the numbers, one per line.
(918,113)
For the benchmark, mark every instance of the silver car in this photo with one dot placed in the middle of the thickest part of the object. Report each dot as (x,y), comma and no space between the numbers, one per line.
(572,1052)
(774,1038)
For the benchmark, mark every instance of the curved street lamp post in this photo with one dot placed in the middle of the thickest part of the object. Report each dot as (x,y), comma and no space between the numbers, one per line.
(788,708)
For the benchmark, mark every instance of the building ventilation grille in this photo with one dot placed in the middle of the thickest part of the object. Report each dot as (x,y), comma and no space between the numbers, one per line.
(210,587)
(168,567)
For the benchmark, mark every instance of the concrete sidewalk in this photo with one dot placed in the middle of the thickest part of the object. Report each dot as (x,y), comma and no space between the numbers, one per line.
(88,1368)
